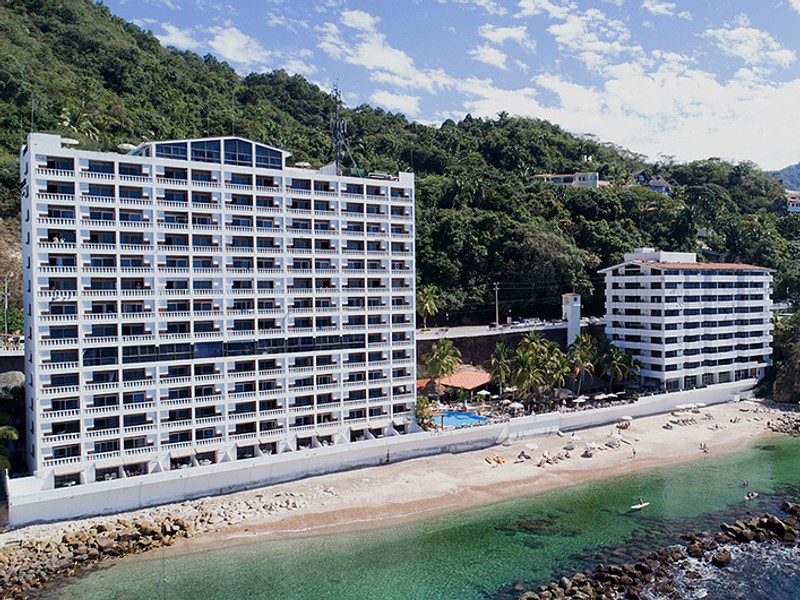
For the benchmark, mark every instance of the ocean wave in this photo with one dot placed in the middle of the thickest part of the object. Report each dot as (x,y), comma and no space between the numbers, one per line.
(767,570)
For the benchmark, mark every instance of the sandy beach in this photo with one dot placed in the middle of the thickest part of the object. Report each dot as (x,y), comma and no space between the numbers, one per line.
(420,488)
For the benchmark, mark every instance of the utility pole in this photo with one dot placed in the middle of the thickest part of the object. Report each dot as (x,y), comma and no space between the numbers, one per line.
(5,304)
(496,305)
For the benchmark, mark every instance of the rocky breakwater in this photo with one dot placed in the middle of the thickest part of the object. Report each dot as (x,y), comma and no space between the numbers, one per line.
(654,572)
(786,422)
(56,550)
(30,564)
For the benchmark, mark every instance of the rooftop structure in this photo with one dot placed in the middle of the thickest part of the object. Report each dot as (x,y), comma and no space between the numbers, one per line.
(793,201)
(198,302)
(583,180)
(690,324)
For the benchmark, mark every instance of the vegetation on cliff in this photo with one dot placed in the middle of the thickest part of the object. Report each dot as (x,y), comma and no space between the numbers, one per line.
(97,78)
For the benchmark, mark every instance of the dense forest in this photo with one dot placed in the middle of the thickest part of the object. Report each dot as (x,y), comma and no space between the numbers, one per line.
(71,67)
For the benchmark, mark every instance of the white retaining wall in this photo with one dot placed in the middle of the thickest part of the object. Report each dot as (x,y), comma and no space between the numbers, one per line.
(29,502)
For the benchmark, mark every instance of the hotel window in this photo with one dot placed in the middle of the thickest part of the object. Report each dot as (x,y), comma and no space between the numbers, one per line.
(238,152)
(175,151)
(267,158)
(208,151)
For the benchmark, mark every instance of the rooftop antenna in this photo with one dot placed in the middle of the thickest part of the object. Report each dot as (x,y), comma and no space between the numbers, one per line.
(33,105)
(338,130)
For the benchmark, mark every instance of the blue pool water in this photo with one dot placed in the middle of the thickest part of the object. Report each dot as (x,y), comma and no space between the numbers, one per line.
(454,418)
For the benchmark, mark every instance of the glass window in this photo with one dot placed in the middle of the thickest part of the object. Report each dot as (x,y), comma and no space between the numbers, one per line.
(175,150)
(267,158)
(207,151)
(238,152)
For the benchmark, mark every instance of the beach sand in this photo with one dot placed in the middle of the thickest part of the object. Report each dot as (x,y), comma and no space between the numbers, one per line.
(416,489)
(420,488)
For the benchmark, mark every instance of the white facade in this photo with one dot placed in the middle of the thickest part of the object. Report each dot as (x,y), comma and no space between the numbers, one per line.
(793,201)
(197,302)
(689,324)
(588,179)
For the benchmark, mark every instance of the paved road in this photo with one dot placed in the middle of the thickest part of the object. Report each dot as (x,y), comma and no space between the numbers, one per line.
(483,330)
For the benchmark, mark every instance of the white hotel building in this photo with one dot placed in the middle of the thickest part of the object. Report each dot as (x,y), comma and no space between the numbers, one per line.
(197,302)
(689,324)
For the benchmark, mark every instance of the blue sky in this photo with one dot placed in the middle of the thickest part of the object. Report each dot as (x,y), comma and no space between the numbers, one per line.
(687,79)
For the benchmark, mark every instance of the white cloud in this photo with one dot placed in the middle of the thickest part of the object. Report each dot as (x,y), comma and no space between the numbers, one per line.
(275,19)
(555,9)
(166,3)
(752,45)
(489,55)
(795,4)
(180,38)
(500,35)
(370,50)
(522,66)
(594,38)
(298,65)
(358,19)
(236,46)
(659,7)
(404,103)
(490,6)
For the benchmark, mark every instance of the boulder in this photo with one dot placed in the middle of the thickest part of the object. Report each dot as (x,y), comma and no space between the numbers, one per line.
(721,559)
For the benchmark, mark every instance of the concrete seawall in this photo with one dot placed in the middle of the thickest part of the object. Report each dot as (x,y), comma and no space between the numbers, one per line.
(29,502)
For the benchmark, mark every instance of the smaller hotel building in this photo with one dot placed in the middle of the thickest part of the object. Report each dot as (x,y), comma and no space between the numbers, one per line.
(689,324)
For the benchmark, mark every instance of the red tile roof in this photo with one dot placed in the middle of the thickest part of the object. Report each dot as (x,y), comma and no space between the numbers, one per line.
(465,380)
(702,266)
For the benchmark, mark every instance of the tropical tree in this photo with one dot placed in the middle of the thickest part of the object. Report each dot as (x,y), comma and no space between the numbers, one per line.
(582,355)
(441,361)
(424,413)
(533,341)
(527,373)
(428,300)
(75,119)
(557,368)
(613,364)
(500,365)
(6,433)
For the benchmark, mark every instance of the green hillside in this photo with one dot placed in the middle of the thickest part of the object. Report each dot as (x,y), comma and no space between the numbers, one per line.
(789,176)
(97,78)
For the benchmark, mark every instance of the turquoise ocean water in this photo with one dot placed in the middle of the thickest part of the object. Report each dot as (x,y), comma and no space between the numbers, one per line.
(473,554)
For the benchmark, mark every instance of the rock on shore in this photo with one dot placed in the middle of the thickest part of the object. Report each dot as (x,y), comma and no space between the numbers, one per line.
(50,551)
(786,422)
(651,571)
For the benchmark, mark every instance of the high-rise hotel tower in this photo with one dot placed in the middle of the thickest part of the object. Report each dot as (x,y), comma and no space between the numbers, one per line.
(197,302)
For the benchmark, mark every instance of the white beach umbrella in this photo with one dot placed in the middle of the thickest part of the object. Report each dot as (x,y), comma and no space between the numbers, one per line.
(484,393)
(516,406)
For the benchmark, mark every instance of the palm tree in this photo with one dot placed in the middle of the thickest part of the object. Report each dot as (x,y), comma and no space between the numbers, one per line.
(75,119)
(441,361)
(533,341)
(427,303)
(582,355)
(526,372)
(500,365)
(631,366)
(6,433)
(423,413)
(613,365)
(558,368)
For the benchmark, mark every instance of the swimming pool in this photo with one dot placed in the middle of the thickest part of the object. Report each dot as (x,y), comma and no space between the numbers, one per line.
(454,418)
